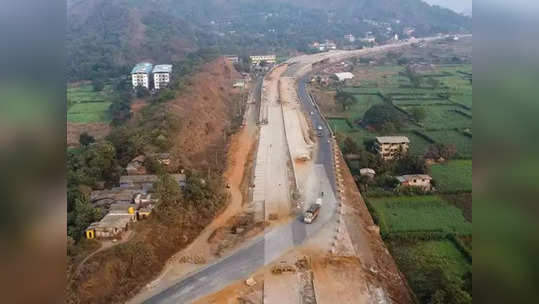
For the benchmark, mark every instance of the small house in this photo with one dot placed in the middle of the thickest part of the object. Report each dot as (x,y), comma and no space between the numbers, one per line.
(415,180)
(343,76)
(367,172)
(110,226)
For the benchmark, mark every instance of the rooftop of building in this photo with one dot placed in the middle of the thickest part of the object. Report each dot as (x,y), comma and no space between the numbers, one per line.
(148,178)
(344,75)
(162,68)
(113,220)
(392,139)
(408,177)
(142,67)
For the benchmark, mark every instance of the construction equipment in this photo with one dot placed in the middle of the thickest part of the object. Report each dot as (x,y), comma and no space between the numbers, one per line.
(312,212)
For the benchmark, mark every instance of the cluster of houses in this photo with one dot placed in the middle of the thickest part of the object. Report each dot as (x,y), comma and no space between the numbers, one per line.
(324,46)
(389,148)
(151,77)
(131,201)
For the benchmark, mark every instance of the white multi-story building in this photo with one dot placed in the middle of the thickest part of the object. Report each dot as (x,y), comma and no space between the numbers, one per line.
(267,58)
(141,75)
(350,38)
(161,75)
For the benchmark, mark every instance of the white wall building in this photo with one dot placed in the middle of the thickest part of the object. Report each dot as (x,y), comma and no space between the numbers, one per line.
(267,58)
(140,75)
(344,76)
(161,75)
(350,38)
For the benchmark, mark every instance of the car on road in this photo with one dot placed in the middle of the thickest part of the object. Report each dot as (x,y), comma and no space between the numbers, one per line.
(320,128)
(319,133)
(312,112)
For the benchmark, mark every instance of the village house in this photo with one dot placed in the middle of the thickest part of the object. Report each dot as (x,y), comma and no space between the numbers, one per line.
(114,195)
(367,172)
(232,58)
(140,75)
(415,180)
(257,59)
(113,225)
(350,38)
(390,147)
(162,74)
(343,76)
(145,182)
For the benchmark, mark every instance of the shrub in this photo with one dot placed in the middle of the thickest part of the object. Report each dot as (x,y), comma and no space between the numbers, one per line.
(98,85)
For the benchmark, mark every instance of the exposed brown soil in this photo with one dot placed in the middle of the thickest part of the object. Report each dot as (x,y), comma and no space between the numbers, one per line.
(97,129)
(205,116)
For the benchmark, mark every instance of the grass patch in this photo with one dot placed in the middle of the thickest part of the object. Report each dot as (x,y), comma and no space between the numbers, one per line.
(339,125)
(419,260)
(419,213)
(453,176)
(462,143)
(443,117)
(89,112)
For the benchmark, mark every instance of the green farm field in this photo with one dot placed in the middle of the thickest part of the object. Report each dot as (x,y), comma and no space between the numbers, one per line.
(455,175)
(443,117)
(87,105)
(462,142)
(418,259)
(419,213)
(89,112)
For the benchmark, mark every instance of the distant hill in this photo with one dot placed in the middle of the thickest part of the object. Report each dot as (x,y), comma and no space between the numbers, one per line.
(105,37)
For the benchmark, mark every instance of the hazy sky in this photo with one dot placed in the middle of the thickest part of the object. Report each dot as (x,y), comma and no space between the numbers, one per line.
(456,5)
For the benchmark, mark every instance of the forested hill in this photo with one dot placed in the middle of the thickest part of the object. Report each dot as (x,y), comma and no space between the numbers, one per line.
(105,37)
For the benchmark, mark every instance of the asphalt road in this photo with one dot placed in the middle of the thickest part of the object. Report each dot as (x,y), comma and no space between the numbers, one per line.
(324,153)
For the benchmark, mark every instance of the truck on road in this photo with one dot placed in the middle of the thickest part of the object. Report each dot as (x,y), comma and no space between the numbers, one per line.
(311,214)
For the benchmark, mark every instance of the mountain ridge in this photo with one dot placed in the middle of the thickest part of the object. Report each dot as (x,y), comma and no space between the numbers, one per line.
(106,37)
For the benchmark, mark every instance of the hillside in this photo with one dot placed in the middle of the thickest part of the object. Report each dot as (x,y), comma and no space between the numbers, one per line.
(106,37)
(115,274)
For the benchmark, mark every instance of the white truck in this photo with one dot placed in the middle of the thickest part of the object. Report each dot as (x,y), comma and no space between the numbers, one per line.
(312,213)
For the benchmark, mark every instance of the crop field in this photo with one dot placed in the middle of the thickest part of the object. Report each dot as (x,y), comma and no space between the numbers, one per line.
(89,112)
(419,213)
(87,105)
(339,125)
(462,143)
(417,259)
(455,175)
(362,104)
(443,117)
(420,102)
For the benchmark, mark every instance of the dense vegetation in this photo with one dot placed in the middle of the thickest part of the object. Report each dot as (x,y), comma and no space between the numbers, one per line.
(105,38)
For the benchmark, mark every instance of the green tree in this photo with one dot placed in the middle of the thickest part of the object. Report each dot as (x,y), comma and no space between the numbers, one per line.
(413,76)
(98,85)
(350,146)
(85,139)
(81,217)
(382,115)
(344,98)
